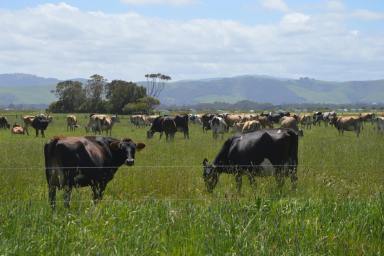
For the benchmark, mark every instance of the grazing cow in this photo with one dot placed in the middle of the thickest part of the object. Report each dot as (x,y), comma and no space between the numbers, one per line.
(158,125)
(205,120)
(107,123)
(275,117)
(218,126)
(195,119)
(243,154)
(4,123)
(138,121)
(380,124)
(251,126)
(328,116)
(347,123)
(291,122)
(40,123)
(99,123)
(265,122)
(317,118)
(169,128)
(231,120)
(85,161)
(71,123)
(17,129)
(306,121)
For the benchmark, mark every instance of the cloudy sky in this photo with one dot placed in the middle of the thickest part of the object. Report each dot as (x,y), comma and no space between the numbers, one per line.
(189,39)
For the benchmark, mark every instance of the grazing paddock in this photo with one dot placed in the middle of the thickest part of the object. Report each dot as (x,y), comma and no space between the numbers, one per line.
(160,205)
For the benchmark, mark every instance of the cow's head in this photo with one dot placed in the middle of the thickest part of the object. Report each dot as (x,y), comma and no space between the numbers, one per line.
(210,175)
(126,150)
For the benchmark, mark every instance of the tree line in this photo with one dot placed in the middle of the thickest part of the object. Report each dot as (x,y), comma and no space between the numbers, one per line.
(99,95)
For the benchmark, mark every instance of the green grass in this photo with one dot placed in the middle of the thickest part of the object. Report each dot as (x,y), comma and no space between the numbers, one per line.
(160,206)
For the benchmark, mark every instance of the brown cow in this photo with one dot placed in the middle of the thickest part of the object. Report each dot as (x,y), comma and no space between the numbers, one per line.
(290,122)
(347,123)
(306,121)
(231,119)
(251,126)
(265,122)
(71,122)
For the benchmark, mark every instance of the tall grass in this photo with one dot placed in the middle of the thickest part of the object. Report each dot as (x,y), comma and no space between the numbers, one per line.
(160,205)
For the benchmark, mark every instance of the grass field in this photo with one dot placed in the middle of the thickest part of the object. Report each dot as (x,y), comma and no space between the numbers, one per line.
(160,205)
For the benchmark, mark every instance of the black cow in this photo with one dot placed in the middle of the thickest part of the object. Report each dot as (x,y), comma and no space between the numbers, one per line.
(243,154)
(206,121)
(169,128)
(40,123)
(275,117)
(85,161)
(158,125)
(4,123)
(317,118)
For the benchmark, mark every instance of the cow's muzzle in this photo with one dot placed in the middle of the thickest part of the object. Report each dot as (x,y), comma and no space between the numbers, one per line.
(130,162)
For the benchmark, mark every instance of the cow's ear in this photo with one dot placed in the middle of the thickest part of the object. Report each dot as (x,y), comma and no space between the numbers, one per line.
(140,146)
(114,145)
(205,162)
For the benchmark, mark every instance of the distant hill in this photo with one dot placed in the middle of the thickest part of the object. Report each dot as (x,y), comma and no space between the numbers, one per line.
(27,89)
(272,90)
(31,89)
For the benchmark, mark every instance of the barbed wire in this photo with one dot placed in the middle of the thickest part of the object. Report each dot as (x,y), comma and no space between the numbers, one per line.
(189,166)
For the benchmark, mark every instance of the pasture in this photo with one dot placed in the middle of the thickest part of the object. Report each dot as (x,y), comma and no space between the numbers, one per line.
(160,205)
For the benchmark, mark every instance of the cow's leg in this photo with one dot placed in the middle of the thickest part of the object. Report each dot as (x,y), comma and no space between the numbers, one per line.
(95,190)
(52,195)
(37,132)
(67,195)
(42,134)
(102,186)
(161,135)
(251,178)
(239,181)
(279,176)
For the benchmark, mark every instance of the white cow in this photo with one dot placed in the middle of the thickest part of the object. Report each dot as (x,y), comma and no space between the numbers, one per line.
(218,126)
(380,124)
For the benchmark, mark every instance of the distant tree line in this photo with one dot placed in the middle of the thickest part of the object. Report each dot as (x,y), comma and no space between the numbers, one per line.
(98,95)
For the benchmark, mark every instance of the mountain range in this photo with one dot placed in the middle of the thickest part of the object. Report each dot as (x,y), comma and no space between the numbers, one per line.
(31,89)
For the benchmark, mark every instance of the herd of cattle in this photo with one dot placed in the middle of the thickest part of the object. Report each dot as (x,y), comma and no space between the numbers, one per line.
(93,160)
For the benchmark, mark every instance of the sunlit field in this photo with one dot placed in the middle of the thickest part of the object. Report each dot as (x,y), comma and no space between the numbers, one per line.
(160,205)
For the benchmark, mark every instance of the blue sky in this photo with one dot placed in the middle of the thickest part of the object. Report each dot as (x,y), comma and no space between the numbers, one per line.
(325,39)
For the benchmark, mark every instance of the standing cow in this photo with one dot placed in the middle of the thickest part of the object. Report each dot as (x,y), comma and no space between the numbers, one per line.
(4,124)
(85,161)
(181,122)
(71,123)
(218,126)
(347,123)
(243,154)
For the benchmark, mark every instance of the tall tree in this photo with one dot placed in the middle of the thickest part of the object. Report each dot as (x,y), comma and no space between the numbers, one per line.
(95,92)
(70,96)
(119,93)
(156,84)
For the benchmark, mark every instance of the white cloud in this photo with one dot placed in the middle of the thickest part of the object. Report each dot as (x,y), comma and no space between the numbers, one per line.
(368,15)
(58,40)
(296,22)
(278,5)
(158,2)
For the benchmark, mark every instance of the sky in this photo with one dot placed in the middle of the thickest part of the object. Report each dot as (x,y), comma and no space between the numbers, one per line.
(191,39)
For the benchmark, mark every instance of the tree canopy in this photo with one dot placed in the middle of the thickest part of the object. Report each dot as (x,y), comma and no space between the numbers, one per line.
(97,95)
